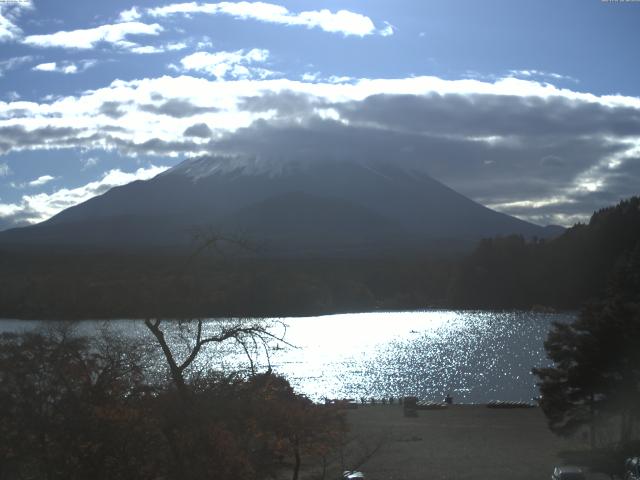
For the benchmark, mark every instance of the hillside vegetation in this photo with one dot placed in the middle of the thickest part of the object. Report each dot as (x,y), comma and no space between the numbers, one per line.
(564,272)
(503,272)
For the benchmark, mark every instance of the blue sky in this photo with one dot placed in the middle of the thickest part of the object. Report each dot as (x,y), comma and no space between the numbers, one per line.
(532,108)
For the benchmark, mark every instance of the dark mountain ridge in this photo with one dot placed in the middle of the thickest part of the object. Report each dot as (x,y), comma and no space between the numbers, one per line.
(322,208)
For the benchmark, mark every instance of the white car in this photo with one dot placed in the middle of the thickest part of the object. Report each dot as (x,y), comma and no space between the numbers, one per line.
(568,473)
(353,475)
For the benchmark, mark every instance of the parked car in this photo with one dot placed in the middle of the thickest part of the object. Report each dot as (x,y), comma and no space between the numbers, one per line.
(353,475)
(632,468)
(568,472)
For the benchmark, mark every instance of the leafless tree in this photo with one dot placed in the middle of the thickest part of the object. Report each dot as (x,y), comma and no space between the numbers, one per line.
(241,332)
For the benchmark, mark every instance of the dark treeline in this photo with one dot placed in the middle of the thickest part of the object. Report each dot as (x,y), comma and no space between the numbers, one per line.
(58,285)
(506,272)
(593,386)
(561,273)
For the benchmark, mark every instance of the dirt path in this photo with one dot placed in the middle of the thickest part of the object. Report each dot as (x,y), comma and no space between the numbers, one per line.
(462,442)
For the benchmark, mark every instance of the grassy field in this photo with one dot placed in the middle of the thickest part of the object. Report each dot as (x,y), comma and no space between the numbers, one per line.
(461,442)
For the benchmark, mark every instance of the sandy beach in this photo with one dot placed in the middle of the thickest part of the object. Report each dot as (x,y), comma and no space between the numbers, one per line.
(461,442)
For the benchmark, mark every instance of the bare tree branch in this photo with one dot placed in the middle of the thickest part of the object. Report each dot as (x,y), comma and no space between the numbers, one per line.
(239,332)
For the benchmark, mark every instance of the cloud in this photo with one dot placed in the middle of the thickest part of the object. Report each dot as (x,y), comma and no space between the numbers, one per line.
(8,30)
(111,109)
(46,67)
(9,14)
(286,104)
(65,67)
(172,47)
(5,171)
(159,147)
(12,95)
(42,180)
(38,182)
(198,130)
(552,161)
(204,42)
(90,162)
(499,174)
(388,30)
(168,47)
(114,34)
(485,115)
(146,49)
(523,147)
(17,137)
(13,63)
(38,207)
(238,64)
(130,15)
(176,108)
(310,77)
(342,21)
(539,74)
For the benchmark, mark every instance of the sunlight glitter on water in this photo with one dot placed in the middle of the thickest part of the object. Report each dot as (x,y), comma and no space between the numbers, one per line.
(476,356)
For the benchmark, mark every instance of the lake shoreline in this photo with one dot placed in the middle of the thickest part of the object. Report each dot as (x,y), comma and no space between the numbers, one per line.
(299,316)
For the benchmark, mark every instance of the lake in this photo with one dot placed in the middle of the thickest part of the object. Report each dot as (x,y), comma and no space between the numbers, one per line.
(475,356)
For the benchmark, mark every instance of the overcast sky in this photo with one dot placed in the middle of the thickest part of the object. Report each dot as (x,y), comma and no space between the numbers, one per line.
(529,107)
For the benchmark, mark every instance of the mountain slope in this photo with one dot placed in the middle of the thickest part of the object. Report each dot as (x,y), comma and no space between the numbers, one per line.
(320,208)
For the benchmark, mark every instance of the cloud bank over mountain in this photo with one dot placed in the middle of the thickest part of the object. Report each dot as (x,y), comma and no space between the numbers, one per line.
(546,154)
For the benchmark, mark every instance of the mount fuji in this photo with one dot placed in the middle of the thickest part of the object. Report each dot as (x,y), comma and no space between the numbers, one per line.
(318,208)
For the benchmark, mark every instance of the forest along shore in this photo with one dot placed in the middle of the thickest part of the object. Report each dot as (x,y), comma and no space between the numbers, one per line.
(459,442)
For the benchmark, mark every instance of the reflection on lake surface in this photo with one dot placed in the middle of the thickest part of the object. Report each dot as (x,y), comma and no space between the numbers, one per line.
(476,356)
